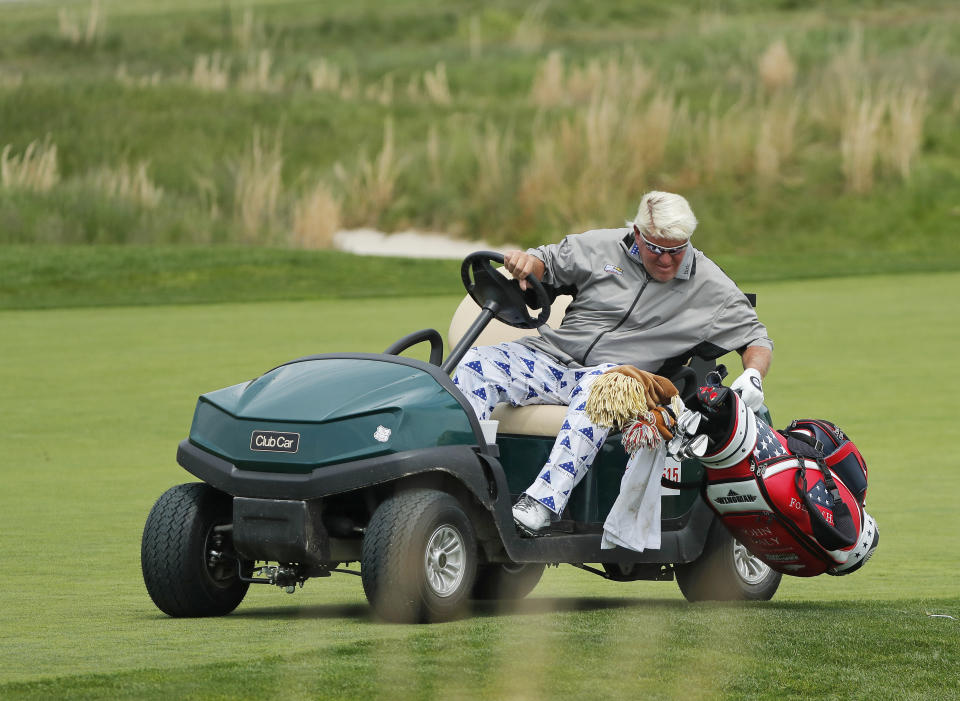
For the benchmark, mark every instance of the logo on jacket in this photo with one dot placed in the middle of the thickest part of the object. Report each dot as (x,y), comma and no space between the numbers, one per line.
(275,441)
(610,268)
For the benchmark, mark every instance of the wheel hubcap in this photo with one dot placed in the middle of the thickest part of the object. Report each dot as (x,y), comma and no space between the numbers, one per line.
(752,570)
(445,560)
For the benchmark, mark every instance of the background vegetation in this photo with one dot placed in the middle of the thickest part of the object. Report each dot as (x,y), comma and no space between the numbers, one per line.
(794,126)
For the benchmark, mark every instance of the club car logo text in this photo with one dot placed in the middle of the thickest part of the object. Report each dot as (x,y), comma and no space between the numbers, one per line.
(275,441)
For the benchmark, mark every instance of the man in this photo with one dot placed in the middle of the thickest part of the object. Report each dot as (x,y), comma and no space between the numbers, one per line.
(643,296)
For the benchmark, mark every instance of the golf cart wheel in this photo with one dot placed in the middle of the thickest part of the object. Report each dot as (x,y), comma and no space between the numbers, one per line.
(419,557)
(506,581)
(188,564)
(726,571)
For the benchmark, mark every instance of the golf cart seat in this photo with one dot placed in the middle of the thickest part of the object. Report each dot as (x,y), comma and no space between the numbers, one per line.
(535,420)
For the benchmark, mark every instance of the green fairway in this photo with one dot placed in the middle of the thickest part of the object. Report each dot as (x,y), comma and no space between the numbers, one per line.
(94,402)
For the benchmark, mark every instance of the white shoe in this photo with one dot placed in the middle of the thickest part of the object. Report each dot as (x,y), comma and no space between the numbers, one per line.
(530,515)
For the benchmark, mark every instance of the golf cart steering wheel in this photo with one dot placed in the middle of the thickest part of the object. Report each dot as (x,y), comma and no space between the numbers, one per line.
(502,295)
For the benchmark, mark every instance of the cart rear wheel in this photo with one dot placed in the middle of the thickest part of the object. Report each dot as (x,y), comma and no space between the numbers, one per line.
(726,571)
(419,557)
(188,564)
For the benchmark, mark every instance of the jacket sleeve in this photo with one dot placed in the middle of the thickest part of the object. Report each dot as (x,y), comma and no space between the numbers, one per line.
(566,264)
(736,326)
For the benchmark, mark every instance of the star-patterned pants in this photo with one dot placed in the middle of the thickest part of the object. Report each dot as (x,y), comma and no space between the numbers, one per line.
(512,372)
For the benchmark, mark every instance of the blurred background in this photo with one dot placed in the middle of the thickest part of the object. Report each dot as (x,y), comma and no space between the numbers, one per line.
(794,127)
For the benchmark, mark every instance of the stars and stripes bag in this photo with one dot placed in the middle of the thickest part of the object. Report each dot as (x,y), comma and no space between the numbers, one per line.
(793,498)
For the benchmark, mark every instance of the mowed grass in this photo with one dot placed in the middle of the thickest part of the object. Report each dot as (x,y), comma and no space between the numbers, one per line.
(94,401)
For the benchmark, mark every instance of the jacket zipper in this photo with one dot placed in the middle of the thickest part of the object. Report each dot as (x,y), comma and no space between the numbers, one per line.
(619,323)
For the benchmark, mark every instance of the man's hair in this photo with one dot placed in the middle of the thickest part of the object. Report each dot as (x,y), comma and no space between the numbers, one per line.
(665,215)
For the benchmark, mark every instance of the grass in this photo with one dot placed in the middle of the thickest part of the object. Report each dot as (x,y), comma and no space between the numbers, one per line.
(39,277)
(47,277)
(94,401)
(510,121)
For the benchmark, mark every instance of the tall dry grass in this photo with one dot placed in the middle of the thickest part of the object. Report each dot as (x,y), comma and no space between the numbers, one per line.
(591,163)
(131,183)
(860,141)
(258,185)
(211,72)
(259,75)
(434,163)
(75,30)
(907,113)
(436,86)
(776,138)
(381,91)
(493,151)
(531,32)
(316,218)
(838,83)
(776,67)
(124,77)
(325,76)
(555,84)
(248,31)
(35,169)
(649,135)
(369,189)
(724,138)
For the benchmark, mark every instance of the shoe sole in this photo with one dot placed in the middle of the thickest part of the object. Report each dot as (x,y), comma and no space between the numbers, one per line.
(531,533)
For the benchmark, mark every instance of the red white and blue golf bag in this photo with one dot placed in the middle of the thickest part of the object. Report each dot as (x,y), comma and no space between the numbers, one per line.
(793,498)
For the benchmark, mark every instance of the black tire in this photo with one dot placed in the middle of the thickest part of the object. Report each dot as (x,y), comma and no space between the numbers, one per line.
(500,581)
(726,571)
(419,557)
(182,576)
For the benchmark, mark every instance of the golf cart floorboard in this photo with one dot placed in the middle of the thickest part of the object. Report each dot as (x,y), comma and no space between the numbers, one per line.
(682,545)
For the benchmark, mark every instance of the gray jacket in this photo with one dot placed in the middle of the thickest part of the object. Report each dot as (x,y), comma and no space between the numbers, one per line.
(619,314)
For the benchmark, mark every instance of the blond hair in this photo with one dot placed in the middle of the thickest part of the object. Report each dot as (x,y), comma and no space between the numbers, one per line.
(666,216)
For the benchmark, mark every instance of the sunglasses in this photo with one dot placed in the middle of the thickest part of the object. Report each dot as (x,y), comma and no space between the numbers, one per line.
(660,250)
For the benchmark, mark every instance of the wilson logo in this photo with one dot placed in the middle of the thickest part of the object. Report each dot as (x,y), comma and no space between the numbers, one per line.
(275,441)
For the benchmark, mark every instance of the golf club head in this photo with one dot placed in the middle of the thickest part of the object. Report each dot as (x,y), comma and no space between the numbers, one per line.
(688,422)
(698,446)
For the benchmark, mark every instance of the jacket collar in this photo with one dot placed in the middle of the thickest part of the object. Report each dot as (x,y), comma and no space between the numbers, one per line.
(687,268)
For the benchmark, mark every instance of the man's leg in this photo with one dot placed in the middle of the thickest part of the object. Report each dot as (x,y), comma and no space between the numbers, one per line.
(509,372)
(575,448)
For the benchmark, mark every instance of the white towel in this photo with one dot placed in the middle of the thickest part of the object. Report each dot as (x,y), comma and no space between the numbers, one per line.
(634,520)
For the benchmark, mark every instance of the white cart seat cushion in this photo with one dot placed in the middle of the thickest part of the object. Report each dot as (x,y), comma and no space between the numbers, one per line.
(538,420)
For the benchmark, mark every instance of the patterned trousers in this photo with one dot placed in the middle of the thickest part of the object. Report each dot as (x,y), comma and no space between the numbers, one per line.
(512,372)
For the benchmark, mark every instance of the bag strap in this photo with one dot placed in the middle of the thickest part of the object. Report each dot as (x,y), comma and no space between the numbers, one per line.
(803,444)
(842,533)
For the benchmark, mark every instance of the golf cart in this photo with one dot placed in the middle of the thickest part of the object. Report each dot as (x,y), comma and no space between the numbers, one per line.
(377,459)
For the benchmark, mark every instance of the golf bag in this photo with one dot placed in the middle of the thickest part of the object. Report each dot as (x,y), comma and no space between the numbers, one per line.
(793,498)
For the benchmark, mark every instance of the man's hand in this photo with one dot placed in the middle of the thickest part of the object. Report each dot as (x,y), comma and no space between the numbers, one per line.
(521,265)
(750,386)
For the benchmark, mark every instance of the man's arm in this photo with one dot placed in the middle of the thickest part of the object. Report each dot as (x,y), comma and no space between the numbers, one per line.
(756,364)
(758,358)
